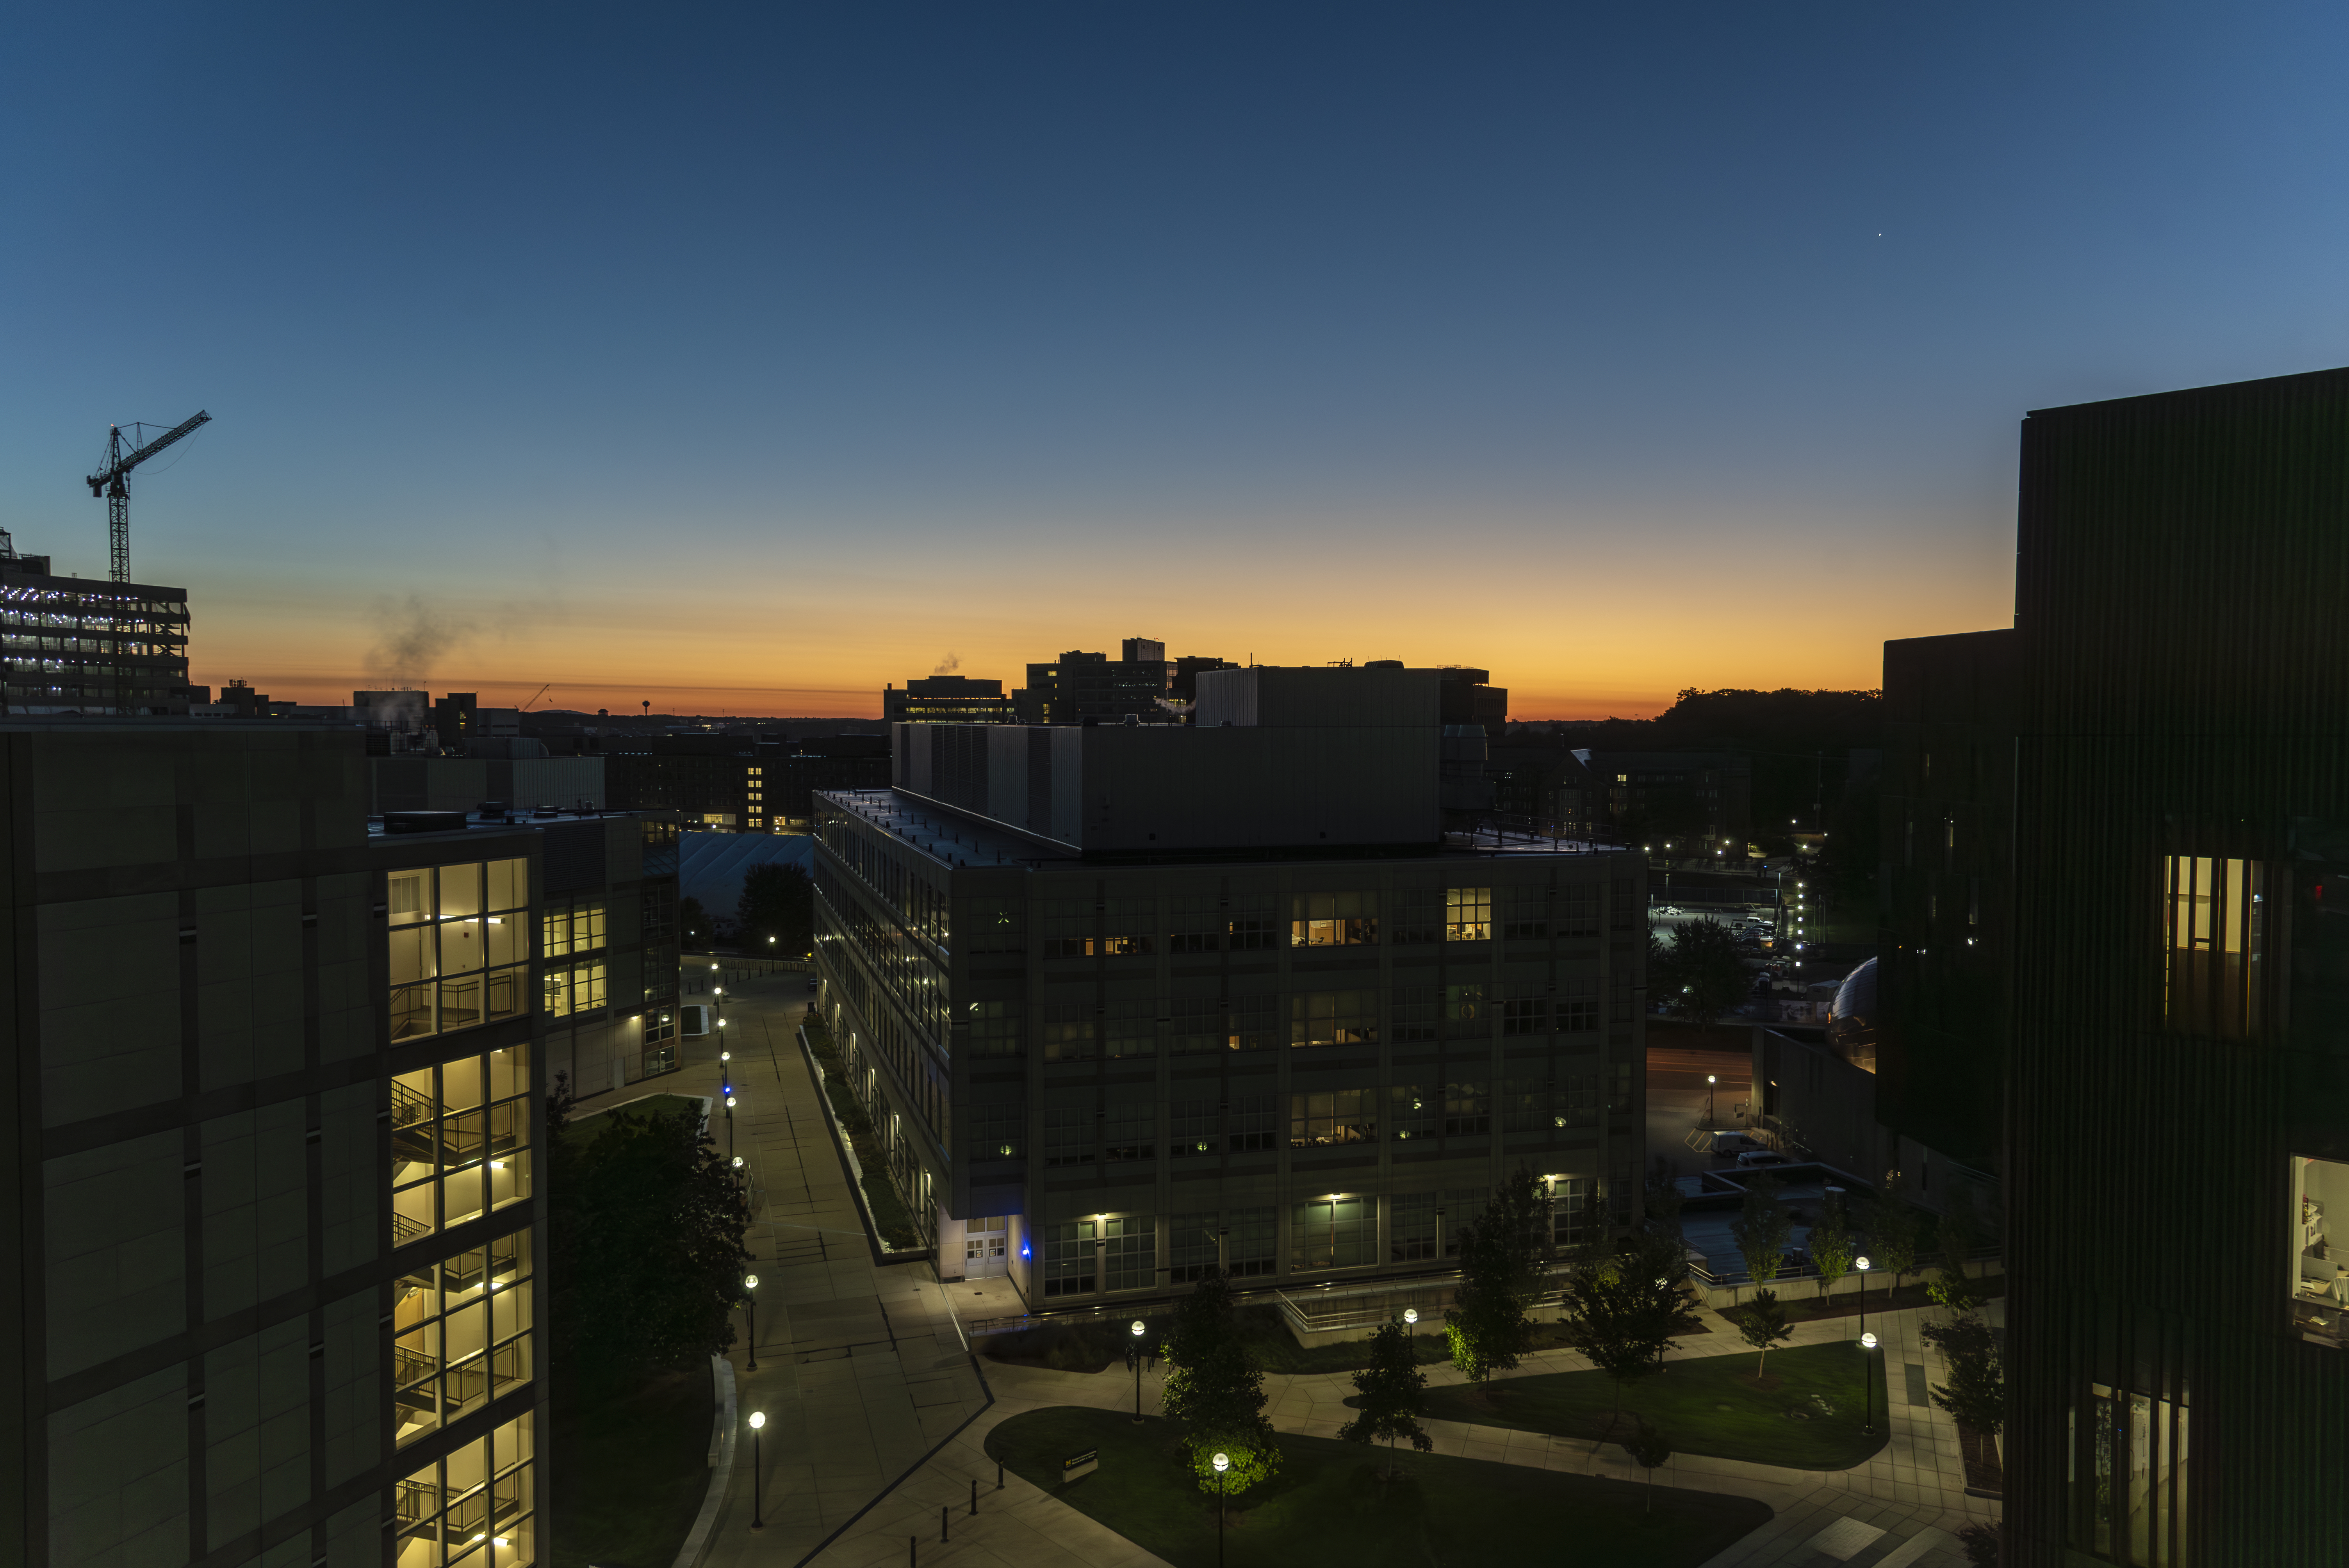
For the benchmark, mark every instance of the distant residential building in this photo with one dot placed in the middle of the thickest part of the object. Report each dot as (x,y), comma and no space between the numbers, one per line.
(945,699)
(1541,784)
(1703,799)
(1469,697)
(77,644)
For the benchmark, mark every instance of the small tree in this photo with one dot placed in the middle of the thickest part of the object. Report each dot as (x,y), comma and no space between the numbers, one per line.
(1622,1310)
(1831,1244)
(1394,1393)
(1763,1231)
(1216,1392)
(1648,1449)
(1976,1395)
(1703,976)
(1664,1202)
(1892,1233)
(1505,1261)
(1762,1322)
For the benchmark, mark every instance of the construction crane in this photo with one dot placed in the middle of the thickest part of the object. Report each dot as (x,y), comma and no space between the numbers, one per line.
(536,694)
(109,482)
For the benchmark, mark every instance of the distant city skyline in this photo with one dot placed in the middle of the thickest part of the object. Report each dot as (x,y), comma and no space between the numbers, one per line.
(747,361)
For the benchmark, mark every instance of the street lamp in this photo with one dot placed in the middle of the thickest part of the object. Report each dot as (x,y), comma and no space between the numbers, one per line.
(758,1419)
(1709,1079)
(1861,1265)
(1222,1463)
(730,1119)
(1867,1372)
(1137,1371)
(751,1312)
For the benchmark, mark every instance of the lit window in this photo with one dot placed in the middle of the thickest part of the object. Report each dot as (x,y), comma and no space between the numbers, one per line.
(471,1509)
(2215,920)
(1333,920)
(460,1141)
(1467,914)
(460,946)
(461,1334)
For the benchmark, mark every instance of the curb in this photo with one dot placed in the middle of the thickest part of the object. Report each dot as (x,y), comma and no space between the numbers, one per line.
(721,1466)
(881,1260)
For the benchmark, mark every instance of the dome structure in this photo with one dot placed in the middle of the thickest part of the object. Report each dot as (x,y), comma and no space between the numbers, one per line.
(1851,1021)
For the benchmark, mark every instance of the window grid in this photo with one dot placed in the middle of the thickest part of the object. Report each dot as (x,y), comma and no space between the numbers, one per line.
(460,1141)
(460,946)
(460,1334)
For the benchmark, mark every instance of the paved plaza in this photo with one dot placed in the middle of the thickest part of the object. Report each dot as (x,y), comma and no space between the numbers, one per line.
(878,1417)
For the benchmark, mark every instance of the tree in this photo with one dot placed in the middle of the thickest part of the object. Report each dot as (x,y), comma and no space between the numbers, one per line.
(1506,1255)
(1623,1307)
(1763,1231)
(1831,1244)
(1762,1322)
(1701,974)
(1216,1392)
(645,1228)
(1648,1449)
(1661,1209)
(1976,1395)
(692,921)
(1892,1231)
(1394,1393)
(778,901)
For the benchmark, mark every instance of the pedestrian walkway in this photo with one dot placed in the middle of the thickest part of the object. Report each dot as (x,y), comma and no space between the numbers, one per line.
(879,1421)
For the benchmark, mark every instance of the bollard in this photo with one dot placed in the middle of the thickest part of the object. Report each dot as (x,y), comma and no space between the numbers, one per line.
(999,1475)
(943,1512)
(912,1542)
(974,1496)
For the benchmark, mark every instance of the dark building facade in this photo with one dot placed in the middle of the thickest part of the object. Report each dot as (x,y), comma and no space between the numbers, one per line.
(737,783)
(1677,796)
(945,699)
(1541,784)
(2179,1076)
(1081,685)
(1945,892)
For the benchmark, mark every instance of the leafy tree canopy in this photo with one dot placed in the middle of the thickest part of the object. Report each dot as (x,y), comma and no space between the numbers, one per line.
(1393,1390)
(1506,1255)
(1763,1230)
(1216,1391)
(778,901)
(1699,973)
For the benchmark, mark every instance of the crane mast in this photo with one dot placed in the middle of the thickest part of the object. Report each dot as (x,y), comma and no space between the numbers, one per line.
(110,483)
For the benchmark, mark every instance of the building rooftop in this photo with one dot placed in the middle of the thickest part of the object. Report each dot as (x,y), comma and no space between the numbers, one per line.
(397,824)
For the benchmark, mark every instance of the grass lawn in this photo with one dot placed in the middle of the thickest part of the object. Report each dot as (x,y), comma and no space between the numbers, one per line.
(1328,1505)
(630,1472)
(1808,1415)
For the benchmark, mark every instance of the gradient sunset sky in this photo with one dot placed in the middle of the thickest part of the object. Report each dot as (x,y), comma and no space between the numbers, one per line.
(745,358)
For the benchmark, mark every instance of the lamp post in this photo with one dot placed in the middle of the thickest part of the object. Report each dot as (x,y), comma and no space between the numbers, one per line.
(1868,1373)
(729,1120)
(1222,1463)
(1861,1265)
(1137,1371)
(1709,1079)
(1411,1330)
(758,1419)
(751,1312)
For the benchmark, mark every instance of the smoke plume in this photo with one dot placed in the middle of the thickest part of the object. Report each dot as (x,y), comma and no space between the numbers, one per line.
(948,665)
(410,638)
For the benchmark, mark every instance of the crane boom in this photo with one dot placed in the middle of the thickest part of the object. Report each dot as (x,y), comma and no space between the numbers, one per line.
(109,482)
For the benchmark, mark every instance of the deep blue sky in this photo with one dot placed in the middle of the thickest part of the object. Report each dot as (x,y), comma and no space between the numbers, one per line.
(753,357)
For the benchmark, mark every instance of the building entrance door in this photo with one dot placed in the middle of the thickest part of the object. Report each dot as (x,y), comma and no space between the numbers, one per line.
(986,1247)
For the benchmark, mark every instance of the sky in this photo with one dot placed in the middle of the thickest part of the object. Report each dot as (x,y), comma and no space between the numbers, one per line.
(743,359)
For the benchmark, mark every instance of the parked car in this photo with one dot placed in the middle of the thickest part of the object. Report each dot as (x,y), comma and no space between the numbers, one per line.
(1754,1159)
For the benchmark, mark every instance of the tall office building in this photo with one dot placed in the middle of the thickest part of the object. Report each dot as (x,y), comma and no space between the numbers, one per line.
(945,699)
(276,1089)
(81,645)
(1079,685)
(2179,1080)
(1130,1000)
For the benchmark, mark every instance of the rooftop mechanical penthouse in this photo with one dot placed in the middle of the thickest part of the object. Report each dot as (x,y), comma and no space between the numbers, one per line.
(1128,1000)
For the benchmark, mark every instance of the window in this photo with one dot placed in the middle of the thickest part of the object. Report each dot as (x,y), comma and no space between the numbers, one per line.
(1192,1129)
(1198,1024)
(568,928)
(2215,916)
(1066,1268)
(1411,1228)
(2133,1473)
(573,988)
(1467,914)
(455,962)
(1464,1010)
(1411,1111)
(1130,1130)
(461,1334)
(1133,1029)
(1575,1212)
(460,1141)
(1578,1005)
(1255,1022)
(1575,912)
(1467,1108)
(1068,928)
(1190,1247)
(1068,1031)
(1577,1106)
(994,1028)
(996,927)
(1252,1242)
(1333,919)
(1333,1018)
(1525,1104)
(1419,915)
(1250,1124)
(2318,1287)
(1130,1251)
(1327,1119)
(1334,1233)
(1415,1010)
(1250,927)
(1071,1134)
(1463,1207)
(1524,1011)
(1527,916)
(996,1131)
(470,1508)
(1132,927)
(1194,925)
